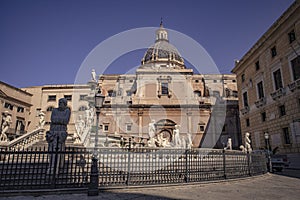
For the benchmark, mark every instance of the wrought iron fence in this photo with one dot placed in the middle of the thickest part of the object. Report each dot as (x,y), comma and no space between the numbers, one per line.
(35,168)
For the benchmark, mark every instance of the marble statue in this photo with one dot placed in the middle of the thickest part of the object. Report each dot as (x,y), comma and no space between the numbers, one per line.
(42,119)
(57,134)
(189,142)
(89,117)
(5,126)
(161,141)
(151,132)
(79,125)
(248,143)
(243,149)
(152,129)
(94,75)
(229,144)
(177,139)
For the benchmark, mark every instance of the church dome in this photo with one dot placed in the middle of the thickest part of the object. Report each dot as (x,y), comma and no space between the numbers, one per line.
(163,51)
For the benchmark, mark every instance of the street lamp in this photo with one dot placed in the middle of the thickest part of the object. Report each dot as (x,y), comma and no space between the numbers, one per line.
(99,99)
(268,151)
(94,177)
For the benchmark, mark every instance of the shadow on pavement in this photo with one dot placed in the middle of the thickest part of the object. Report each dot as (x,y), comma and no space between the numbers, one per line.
(103,194)
(295,173)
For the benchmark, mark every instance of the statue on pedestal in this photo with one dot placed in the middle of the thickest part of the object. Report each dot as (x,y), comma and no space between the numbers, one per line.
(176,135)
(42,119)
(151,132)
(189,141)
(94,75)
(229,144)
(57,134)
(5,126)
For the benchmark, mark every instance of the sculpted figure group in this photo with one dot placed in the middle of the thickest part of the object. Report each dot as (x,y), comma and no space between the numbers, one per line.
(159,140)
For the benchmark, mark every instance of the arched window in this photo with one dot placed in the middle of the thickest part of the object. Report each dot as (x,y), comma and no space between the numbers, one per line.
(82,108)
(111,93)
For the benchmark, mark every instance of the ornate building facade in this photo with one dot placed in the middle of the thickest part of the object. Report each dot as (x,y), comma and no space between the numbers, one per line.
(268,78)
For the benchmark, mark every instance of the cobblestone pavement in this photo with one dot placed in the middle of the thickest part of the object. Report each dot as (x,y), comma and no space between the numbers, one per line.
(269,186)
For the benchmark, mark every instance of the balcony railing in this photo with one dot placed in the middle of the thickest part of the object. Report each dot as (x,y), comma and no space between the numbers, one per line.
(278,93)
(245,110)
(261,102)
(294,85)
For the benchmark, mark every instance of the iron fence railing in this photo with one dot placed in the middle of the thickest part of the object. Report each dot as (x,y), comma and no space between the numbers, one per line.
(33,169)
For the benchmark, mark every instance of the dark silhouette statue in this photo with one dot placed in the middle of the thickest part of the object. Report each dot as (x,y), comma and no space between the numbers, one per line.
(57,134)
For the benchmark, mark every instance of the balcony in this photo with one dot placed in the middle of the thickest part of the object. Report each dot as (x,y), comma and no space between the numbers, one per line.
(278,93)
(261,102)
(245,110)
(294,85)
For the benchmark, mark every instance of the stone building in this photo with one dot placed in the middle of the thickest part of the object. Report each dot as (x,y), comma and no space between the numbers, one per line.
(268,78)
(17,104)
(46,97)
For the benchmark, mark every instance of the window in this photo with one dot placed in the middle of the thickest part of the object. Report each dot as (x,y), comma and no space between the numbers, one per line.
(8,106)
(257,65)
(292,36)
(201,128)
(282,110)
(273,51)
(37,112)
(68,97)
(82,97)
(235,93)
(247,122)
(263,116)
(197,93)
(197,81)
(164,89)
(245,98)
(277,79)
(224,129)
(286,135)
(50,108)
(20,109)
(52,98)
(105,129)
(128,127)
(295,63)
(243,77)
(82,108)
(111,93)
(260,90)
(233,81)
(129,93)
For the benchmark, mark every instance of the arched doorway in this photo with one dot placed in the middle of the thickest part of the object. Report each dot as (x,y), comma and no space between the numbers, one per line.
(165,127)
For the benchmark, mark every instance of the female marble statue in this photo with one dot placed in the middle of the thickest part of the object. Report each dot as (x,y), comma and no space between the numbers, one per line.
(5,125)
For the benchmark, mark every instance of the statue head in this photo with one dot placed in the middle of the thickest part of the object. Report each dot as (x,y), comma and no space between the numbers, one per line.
(41,113)
(6,113)
(62,103)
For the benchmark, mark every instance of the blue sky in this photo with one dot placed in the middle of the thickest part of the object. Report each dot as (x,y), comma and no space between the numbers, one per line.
(46,41)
